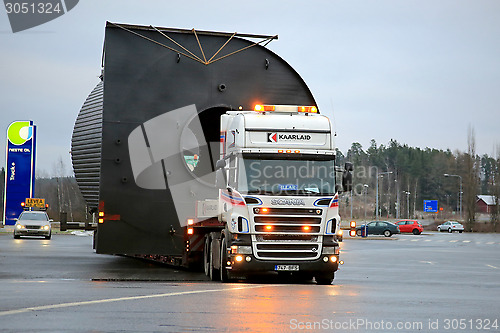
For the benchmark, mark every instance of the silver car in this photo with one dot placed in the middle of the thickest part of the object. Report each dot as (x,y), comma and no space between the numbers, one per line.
(33,223)
(451,226)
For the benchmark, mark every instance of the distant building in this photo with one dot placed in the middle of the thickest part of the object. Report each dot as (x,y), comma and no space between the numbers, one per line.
(485,203)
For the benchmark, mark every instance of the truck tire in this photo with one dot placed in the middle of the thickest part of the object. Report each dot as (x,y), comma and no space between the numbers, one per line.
(213,273)
(324,279)
(206,256)
(225,275)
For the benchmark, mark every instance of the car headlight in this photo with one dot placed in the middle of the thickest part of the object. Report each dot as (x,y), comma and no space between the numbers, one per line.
(20,226)
(46,227)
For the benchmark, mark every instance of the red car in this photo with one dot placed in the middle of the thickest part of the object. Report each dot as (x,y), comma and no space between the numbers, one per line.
(410,226)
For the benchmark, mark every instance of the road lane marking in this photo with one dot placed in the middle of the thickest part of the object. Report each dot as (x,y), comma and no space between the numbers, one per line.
(428,240)
(120,299)
(492,266)
(427,262)
(489,243)
(415,240)
(466,241)
(454,241)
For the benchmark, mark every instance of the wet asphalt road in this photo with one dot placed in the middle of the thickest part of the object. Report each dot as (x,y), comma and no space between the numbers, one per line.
(430,283)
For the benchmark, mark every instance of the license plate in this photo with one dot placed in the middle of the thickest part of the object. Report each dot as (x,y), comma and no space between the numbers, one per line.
(286,267)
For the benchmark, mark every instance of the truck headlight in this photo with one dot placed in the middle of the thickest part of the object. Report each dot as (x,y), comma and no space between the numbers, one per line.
(242,249)
(331,250)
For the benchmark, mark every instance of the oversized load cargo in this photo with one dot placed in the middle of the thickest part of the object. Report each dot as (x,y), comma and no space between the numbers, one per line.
(147,140)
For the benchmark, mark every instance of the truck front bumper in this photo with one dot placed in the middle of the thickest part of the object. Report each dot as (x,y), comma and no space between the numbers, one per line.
(249,264)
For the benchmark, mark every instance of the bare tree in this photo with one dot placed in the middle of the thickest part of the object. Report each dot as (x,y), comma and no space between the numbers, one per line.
(471,180)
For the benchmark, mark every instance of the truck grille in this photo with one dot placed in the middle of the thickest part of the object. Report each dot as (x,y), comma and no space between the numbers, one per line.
(287,234)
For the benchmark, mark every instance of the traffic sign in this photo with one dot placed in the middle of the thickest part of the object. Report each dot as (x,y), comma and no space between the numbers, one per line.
(430,206)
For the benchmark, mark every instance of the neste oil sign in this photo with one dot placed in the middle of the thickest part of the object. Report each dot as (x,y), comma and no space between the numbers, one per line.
(20,168)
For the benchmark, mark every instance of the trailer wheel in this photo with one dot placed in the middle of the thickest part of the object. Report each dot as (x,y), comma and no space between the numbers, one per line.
(225,275)
(206,256)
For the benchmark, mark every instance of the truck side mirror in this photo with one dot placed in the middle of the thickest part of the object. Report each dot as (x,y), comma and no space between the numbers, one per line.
(347,177)
(220,175)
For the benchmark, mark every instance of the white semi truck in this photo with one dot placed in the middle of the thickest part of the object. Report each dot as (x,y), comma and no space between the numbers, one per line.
(278,197)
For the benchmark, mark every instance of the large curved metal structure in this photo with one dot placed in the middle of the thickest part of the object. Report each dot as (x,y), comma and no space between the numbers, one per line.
(149,72)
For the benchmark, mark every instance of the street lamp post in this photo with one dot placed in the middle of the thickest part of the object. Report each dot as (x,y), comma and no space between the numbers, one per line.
(407,203)
(366,192)
(460,193)
(397,199)
(381,175)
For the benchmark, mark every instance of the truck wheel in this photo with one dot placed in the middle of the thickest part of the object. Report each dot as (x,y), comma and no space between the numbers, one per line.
(324,279)
(387,233)
(225,275)
(213,273)
(206,256)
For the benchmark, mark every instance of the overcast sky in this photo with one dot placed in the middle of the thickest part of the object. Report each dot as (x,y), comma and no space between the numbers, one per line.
(419,71)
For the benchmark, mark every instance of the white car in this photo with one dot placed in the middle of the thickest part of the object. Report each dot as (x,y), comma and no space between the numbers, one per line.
(33,223)
(451,226)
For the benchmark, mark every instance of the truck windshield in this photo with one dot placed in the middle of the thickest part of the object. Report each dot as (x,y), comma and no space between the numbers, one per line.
(286,175)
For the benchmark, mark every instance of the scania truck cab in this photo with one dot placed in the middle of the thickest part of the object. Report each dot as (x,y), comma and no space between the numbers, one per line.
(278,195)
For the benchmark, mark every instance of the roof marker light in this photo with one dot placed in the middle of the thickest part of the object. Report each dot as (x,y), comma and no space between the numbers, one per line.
(264,108)
(309,109)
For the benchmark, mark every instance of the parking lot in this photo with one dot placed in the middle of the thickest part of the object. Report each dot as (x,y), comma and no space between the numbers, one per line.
(429,279)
